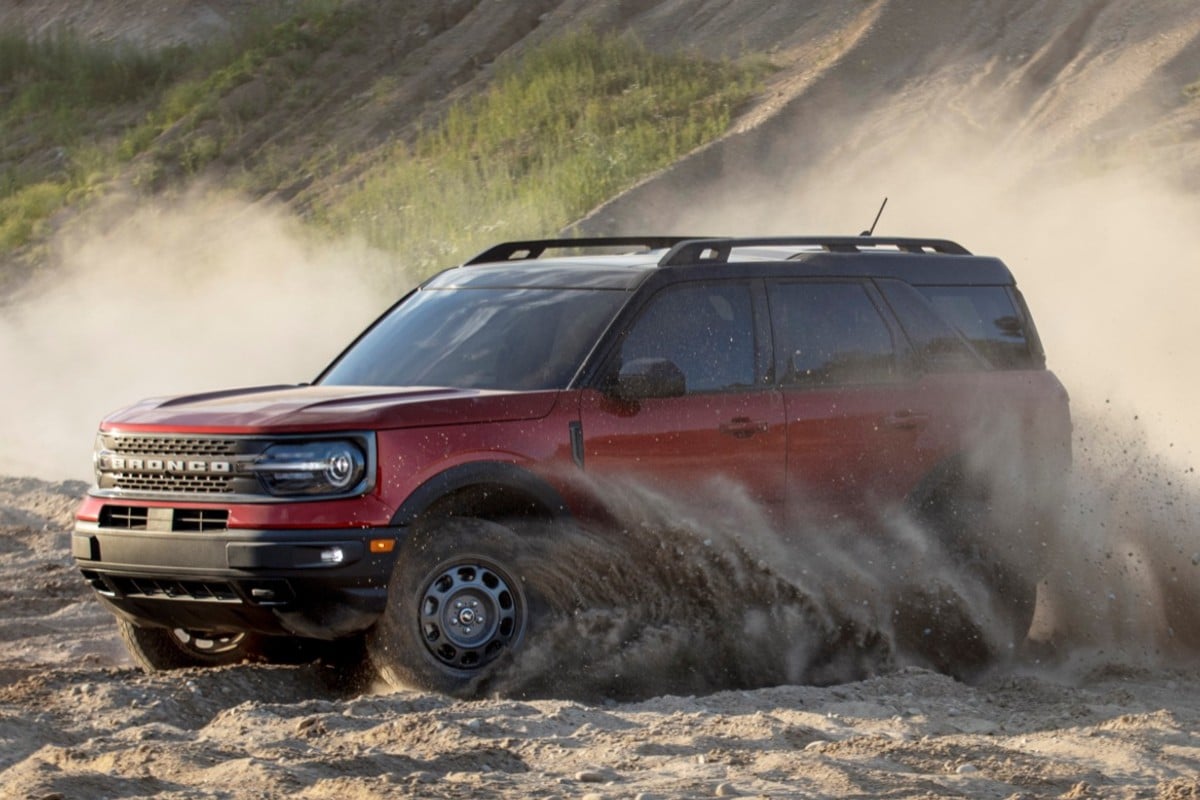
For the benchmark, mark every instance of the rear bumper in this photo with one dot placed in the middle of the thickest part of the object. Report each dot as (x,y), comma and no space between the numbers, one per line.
(323,584)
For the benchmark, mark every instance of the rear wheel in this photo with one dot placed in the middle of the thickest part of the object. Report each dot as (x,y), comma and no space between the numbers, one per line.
(156,649)
(978,613)
(457,608)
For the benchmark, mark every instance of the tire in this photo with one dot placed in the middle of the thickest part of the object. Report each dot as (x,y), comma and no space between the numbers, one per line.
(160,649)
(457,609)
(935,620)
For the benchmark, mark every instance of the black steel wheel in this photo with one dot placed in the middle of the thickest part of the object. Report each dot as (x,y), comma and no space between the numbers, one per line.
(457,608)
(469,613)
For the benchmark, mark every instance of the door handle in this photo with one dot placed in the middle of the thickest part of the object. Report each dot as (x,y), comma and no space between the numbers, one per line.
(743,427)
(906,420)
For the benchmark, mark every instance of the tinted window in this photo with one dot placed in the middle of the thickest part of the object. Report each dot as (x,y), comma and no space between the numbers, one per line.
(480,339)
(829,333)
(986,316)
(707,330)
(938,346)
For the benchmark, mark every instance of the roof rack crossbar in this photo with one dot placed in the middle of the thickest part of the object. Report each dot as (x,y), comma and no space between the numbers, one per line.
(534,248)
(707,251)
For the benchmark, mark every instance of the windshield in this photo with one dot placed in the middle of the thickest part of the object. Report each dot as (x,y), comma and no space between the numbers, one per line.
(517,339)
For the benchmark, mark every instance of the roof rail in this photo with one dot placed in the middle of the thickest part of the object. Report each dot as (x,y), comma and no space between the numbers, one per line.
(704,251)
(526,250)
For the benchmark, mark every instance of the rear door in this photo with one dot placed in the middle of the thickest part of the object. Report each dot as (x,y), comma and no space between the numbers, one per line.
(858,421)
(724,436)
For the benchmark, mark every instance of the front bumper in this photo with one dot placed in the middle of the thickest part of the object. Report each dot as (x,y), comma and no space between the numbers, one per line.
(322,584)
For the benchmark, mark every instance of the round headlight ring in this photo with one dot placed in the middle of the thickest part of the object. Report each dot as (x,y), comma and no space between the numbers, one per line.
(340,472)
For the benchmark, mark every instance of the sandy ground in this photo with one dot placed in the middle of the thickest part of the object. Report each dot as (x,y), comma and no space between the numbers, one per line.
(77,720)
(1077,85)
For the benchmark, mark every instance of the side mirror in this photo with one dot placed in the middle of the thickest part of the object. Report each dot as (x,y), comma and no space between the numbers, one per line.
(644,378)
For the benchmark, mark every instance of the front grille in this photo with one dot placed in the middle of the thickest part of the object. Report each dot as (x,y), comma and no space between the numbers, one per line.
(195,484)
(198,465)
(168,446)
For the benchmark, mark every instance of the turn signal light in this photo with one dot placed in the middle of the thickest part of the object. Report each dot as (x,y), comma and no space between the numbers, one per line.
(383,545)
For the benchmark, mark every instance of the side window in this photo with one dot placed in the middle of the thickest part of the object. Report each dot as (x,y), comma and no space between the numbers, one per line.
(707,330)
(828,334)
(986,316)
(938,346)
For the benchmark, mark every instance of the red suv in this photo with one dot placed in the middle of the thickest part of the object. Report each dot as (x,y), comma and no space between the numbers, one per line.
(827,377)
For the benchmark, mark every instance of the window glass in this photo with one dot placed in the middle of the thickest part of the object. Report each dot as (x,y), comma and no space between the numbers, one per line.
(985,315)
(938,346)
(707,330)
(480,339)
(829,333)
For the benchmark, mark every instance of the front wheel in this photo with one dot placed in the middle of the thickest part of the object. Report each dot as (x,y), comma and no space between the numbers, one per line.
(457,608)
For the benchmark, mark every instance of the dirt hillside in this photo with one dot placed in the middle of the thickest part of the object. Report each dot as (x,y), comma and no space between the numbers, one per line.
(1064,136)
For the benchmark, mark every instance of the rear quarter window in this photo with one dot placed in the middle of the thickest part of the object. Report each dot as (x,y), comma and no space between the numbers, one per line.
(988,318)
(937,344)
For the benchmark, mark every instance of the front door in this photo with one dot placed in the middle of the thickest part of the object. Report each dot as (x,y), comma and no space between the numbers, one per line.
(720,443)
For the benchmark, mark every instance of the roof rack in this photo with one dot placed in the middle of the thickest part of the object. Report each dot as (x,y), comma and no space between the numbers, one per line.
(526,250)
(705,251)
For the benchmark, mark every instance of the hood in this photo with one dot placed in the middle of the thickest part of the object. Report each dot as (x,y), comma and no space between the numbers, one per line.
(302,409)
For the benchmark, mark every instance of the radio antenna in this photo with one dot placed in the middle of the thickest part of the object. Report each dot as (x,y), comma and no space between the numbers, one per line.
(871,232)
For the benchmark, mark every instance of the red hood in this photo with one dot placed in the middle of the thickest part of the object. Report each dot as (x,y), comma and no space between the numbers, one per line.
(296,409)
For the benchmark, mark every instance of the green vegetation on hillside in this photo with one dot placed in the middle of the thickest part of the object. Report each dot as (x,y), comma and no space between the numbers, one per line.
(569,125)
(73,111)
(555,132)
(57,95)
(205,122)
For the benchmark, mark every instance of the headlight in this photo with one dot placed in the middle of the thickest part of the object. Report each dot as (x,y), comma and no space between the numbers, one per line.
(310,468)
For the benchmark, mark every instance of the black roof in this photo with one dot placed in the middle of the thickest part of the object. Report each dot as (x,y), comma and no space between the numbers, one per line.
(627,261)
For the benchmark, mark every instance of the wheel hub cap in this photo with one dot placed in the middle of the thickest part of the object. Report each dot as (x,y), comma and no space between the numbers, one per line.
(468,614)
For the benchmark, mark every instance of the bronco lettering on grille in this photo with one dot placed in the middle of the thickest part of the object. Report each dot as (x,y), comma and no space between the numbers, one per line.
(110,463)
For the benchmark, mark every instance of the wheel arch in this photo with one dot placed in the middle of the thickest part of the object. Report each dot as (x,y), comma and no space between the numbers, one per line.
(492,490)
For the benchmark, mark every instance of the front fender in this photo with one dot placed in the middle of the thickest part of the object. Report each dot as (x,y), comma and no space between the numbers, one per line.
(499,476)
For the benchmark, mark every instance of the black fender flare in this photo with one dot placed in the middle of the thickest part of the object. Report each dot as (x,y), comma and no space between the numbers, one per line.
(500,474)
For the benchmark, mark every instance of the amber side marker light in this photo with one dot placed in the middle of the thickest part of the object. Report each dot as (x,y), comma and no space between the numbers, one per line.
(383,545)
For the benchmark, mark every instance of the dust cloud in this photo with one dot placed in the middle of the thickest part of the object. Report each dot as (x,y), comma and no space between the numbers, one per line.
(154,298)
(660,601)
(1101,234)
(1106,262)
(677,596)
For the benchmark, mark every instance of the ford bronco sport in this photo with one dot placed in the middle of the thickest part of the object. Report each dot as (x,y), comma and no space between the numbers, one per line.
(828,376)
